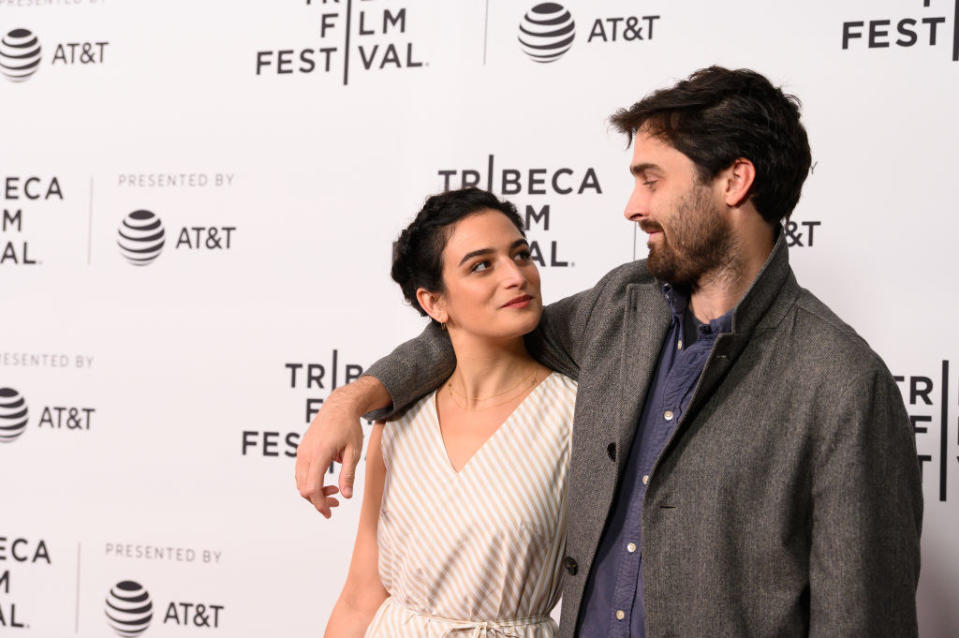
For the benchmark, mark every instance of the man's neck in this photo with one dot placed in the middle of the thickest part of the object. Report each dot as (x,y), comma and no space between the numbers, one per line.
(719,291)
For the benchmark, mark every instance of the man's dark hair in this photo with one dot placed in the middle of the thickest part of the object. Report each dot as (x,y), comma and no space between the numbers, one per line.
(718,115)
(418,253)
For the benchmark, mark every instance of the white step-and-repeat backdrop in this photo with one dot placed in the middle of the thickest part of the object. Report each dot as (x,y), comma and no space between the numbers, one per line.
(260,157)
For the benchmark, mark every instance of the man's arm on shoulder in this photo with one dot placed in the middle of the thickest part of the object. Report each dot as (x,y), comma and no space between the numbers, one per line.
(415,368)
(866,516)
(563,333)
(386,388)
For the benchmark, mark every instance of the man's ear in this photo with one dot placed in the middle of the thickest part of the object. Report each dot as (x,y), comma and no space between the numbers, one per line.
(433,304)
(738,181)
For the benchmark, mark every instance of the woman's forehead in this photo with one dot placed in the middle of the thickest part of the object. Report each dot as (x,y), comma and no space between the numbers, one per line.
(486,229)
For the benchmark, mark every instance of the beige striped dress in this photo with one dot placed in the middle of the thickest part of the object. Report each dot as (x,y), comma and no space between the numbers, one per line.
(475,553)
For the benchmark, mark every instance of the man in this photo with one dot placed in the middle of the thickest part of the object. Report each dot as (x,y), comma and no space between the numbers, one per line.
(742,462)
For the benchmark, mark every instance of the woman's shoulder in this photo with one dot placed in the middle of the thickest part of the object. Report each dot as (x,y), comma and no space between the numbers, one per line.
(417,411)
(563,383)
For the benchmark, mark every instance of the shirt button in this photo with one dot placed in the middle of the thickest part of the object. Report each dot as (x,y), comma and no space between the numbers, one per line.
(679,346)
(620,614)
(668,415)
(631,547)
(645,479)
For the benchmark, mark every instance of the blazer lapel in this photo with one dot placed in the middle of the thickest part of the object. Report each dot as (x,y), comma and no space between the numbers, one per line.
(647,322)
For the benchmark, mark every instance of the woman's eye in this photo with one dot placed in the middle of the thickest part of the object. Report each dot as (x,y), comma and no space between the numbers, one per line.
(523,255)
(479,266)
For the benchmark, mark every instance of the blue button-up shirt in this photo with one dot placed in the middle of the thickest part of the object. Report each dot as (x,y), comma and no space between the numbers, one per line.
(613,602)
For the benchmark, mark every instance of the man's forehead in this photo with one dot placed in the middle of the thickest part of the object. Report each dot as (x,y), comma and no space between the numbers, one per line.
(651,151)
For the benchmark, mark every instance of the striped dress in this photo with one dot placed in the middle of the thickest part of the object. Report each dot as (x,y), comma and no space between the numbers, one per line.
(475,553)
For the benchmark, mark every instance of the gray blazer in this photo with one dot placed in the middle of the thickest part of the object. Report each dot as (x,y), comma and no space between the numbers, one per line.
(788,501)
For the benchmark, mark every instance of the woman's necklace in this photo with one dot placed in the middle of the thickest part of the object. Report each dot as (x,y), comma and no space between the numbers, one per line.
(525,383)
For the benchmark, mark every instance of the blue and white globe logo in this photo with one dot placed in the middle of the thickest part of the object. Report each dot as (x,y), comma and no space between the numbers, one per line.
(129,609)
(13,415)
(547,32)
(141,237)
(19,55)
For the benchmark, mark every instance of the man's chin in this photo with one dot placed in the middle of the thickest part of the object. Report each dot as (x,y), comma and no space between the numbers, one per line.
(666,270)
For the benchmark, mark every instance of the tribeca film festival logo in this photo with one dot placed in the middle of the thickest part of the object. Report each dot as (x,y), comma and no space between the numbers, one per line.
(129,611)
(371,38)
(21,551)
(548,30)
(927,401)
(17,252)
(21,54)
(318,379)
(914,30)
(529,183)
(14,416)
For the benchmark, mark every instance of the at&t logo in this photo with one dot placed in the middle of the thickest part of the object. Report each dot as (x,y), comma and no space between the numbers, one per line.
(13,415)
(547,32)
(141,237)
(19,55)
(129,609)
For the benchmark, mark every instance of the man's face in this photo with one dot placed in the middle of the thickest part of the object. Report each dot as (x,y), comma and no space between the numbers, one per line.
(689,233)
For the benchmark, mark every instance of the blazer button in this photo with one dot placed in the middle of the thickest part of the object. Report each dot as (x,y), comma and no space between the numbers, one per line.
(611,451)
(570,565)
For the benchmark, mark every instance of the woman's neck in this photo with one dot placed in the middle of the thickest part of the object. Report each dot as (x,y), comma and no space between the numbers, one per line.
(486,369)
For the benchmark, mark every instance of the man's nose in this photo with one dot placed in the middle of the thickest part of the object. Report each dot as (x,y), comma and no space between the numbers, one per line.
(636,205)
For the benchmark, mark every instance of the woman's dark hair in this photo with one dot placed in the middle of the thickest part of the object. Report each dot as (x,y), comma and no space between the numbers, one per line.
(417,254)
(718,115)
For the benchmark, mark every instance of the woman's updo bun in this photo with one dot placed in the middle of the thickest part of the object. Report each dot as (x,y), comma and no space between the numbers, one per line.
(418,252)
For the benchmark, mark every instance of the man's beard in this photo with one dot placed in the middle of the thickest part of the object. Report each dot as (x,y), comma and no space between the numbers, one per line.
(700,242)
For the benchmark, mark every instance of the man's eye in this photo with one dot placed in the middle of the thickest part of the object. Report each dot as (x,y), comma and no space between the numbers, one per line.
(523,255)
(649,183)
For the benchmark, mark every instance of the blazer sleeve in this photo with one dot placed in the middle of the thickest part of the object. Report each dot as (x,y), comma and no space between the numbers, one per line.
(866,516)
(422,364)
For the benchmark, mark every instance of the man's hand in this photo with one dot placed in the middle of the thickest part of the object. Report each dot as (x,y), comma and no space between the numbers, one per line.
(336,435)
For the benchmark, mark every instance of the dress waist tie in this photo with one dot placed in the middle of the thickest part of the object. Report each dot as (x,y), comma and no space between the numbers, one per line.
(474,628)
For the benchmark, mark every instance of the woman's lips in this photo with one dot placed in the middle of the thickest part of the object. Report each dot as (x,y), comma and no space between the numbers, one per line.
(518,302)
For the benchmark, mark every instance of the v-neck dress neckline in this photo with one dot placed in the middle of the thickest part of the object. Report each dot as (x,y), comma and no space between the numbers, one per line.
(490,441)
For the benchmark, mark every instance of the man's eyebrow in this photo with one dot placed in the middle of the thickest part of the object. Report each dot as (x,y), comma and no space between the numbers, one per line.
(487,251)
(639,169)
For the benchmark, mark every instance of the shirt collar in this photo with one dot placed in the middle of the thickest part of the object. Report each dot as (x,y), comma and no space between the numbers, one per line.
(678,301)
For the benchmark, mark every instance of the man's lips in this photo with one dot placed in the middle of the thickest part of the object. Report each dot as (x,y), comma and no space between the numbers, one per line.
(518,302)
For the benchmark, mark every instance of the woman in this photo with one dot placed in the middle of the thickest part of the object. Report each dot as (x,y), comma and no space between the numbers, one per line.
(462,527)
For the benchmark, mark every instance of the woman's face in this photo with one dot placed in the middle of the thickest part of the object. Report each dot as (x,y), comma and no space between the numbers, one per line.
(492,284)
